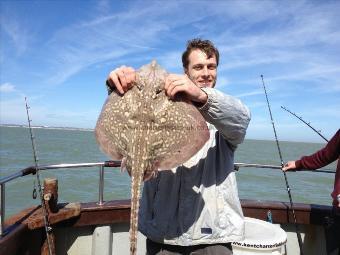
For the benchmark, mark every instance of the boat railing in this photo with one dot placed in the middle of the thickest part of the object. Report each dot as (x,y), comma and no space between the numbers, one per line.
(33,170)
(101,165)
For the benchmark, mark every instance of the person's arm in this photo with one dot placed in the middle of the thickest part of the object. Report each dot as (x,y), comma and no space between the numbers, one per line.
(322,157)
(228,114)
(319,159)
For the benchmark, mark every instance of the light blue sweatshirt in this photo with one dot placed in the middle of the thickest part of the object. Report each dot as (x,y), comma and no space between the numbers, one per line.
(197,202)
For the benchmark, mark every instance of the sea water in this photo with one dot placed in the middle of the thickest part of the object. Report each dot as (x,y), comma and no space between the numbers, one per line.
(56,146)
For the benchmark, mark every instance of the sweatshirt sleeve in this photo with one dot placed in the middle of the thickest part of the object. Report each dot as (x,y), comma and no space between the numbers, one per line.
(323,157)
(228,114)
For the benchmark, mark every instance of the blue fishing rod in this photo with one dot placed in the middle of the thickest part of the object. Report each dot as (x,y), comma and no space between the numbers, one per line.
(284,173)
(307,123)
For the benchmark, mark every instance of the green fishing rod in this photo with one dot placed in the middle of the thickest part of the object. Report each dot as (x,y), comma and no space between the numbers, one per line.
(307,123)
(284,173)
(48,228)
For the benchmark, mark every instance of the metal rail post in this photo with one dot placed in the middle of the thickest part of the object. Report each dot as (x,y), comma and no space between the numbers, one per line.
(101,185)
(2,208)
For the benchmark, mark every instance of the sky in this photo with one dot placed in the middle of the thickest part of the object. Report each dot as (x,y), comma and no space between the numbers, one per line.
(58,54)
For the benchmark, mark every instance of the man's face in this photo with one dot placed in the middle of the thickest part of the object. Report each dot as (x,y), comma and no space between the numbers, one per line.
(202,70)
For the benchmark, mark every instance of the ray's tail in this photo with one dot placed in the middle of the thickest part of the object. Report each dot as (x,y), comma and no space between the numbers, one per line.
(137,177)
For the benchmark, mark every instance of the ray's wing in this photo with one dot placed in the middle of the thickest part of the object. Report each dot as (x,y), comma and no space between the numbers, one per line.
(179,130)
(183,133)
(110,127)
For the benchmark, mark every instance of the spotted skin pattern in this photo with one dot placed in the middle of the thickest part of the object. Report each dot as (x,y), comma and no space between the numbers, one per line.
(148,132)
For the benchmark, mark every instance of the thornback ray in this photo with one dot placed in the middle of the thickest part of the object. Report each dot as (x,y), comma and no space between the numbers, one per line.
(148,132)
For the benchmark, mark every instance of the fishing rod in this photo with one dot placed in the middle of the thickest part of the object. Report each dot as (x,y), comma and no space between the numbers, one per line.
(48,228)
(284,173)
(307,123)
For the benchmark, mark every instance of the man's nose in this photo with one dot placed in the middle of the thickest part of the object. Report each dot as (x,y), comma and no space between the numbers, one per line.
(205,71)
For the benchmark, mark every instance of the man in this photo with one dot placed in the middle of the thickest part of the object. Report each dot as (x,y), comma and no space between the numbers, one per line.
(195,208)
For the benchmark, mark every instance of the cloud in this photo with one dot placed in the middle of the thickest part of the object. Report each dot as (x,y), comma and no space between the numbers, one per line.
(296,43)
(19,34)
(293,44)
(118,35)
(251,93)
(171,61)
(7,88)
(12,111)
(97,40)
(222,82)
(331,111)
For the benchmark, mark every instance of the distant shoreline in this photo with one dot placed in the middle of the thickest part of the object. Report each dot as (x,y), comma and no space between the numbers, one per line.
(47,127)
(91,129)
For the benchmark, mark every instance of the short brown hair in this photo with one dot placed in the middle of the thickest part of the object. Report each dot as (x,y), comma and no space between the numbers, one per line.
(204,45)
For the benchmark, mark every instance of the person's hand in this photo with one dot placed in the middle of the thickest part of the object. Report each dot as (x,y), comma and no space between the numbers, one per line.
(122,78)
(175,83)
(290,165)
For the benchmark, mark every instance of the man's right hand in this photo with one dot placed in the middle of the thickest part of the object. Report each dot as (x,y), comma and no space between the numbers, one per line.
(122,78)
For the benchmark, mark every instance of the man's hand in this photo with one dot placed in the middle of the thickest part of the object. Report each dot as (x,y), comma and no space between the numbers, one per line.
(122,78)
(290,165)
(175,83)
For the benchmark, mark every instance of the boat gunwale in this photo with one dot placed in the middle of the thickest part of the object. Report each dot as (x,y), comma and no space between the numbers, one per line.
(89,211)
(118,211)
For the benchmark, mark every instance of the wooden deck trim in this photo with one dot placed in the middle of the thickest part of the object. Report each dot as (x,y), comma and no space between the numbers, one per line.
(281,211)
(119,211)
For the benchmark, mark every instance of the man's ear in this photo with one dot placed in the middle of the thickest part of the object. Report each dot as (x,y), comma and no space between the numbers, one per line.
(186,71)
